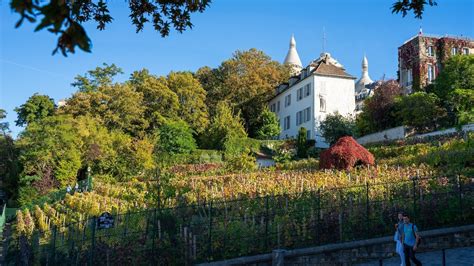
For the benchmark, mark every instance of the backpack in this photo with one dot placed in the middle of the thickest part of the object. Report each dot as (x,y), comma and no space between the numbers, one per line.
(414,235)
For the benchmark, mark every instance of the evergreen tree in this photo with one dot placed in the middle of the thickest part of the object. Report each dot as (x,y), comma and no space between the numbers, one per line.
(301,143)
(224,126)
(269,125)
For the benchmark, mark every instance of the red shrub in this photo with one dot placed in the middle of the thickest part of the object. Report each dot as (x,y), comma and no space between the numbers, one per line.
(345,154)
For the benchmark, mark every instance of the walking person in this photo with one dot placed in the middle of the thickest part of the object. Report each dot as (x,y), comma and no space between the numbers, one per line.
(398,238)
(410,240)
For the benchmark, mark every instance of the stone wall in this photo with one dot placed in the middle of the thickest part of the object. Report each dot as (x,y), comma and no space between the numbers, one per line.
(401,132)
(386,135)
(358,251)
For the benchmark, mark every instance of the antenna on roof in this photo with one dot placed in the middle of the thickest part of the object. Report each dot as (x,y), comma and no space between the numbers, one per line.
(324,39)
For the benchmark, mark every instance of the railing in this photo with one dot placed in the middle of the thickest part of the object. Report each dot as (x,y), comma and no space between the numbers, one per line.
(220,230)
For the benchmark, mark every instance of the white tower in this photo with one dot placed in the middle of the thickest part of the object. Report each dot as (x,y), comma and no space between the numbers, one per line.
(364,79)
(292,58)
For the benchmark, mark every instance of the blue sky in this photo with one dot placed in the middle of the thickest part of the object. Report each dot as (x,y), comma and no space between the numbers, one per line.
(352,29)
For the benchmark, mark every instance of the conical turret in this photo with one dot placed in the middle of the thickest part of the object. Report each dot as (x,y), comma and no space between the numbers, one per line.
(292,58)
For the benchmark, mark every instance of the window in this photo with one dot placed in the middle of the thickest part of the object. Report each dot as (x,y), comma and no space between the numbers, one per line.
(465,51)
(454,51)
(431,74)
(272,107)
(430,51)
(322,105)
(299,94)
(308,134)
(307,114)
(288,100)
(299,118)
(286,123)
(307,90)
(409,77)
(278,106)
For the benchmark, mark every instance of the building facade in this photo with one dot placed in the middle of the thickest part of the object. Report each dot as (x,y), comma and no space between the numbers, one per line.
(312,92)
(422,57)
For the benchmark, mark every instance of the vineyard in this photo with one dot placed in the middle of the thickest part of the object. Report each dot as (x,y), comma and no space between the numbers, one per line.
(196,213)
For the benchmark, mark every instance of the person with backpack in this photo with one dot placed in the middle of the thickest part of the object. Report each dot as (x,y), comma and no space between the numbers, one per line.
(398,237)
(410,240)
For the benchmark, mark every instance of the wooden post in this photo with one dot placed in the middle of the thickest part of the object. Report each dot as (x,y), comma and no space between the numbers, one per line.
(278,257)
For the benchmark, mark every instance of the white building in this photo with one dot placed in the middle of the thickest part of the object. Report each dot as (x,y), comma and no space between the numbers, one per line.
(321,88)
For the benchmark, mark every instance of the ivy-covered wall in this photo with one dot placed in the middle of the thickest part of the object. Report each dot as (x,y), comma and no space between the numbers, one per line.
(414,55)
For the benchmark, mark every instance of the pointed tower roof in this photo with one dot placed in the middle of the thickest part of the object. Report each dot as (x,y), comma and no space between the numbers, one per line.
(292,58)
(364,79)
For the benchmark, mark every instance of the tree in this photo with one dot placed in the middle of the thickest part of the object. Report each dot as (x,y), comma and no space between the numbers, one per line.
(421,110)
(269,125)
(67,17)
(176,137)
(246,81)
(98,77)
(336,126)
(57,150)
(36,108)
(159,101)
(118,106)
(457,73)
(8,158)
(50,154)
(455,87)
(378,112)
(192,97)
(417,6)
(301,143)
(224,126)
(462,103)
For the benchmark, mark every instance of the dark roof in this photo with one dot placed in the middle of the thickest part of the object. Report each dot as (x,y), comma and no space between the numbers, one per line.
(326,69)
(321,68)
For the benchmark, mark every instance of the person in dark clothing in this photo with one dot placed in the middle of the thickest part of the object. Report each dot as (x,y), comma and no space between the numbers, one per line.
(410,240)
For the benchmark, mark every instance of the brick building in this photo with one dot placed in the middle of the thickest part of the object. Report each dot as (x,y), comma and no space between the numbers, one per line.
(422,57)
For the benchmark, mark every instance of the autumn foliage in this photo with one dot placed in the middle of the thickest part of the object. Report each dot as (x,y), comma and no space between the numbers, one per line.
(345,154)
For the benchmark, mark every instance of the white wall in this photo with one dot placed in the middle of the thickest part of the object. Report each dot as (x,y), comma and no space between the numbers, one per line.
(339,96)
(388,134)
(294,107)
(468,127)
(401,133)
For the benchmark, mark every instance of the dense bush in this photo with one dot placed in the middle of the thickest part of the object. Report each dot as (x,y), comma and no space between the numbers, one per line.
(421,111)
(336,126)
(175,137)
(345,154)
